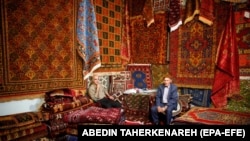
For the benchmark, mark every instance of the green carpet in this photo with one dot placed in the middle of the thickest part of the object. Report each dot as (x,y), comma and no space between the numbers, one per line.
(241,104)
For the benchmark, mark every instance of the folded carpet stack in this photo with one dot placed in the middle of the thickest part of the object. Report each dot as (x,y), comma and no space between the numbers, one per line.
(61,102)
(65,109)
(23,126)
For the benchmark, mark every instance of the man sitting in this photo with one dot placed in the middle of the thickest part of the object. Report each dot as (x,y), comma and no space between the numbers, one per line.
(97,93)
(166,100)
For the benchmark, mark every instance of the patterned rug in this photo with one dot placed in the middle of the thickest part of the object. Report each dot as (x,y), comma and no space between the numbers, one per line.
(213,116)
(147,45)
(200,97)
(87,37)
(243,42)
(158,72)
(38,48)
(109,25)
(94,115)
(191,62)
(136,108)
(141,75)
(121,82)
(18,120)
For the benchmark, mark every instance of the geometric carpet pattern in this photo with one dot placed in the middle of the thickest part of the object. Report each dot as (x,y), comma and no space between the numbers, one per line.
(200,97)
(213,116)
(243,42)
(38,48)
(109,25)
(158,72)
(141,75)
(192,60)
(148,46)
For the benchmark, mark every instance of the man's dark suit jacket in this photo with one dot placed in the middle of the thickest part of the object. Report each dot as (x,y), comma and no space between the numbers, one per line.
(172,96)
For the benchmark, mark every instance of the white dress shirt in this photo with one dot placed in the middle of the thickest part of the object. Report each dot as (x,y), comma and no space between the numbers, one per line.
(165,95)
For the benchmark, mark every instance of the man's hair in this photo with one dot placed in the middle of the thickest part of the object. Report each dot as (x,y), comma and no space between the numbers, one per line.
(91,78)
(94,75)
(167,75)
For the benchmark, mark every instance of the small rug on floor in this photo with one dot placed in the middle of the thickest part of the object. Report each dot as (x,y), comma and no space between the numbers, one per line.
(213,116)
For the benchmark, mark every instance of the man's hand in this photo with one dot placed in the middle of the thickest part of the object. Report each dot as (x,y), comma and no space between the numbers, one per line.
(111,97)
(97,87)
(161,109)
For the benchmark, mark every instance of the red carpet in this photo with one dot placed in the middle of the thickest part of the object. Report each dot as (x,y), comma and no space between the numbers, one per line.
(213,116)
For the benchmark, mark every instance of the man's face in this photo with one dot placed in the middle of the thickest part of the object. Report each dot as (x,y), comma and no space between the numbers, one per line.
(167,81)
(96,79)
